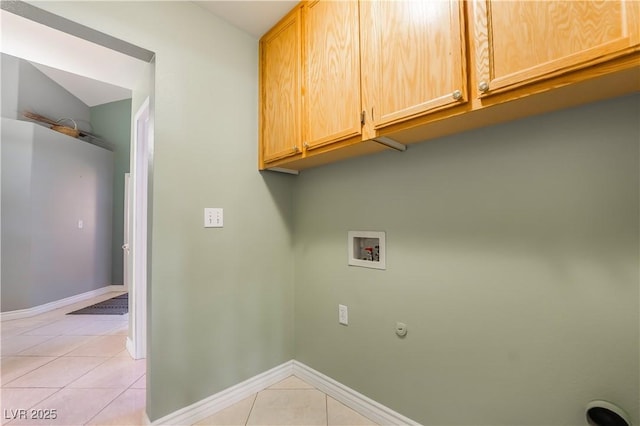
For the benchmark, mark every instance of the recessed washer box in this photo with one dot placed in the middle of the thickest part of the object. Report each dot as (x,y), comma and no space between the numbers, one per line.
(367,249)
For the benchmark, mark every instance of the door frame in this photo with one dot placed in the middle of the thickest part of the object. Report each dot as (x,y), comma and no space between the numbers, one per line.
(140,156)
(127,233)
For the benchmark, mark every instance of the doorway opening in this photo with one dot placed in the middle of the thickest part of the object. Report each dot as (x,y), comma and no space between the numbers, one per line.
(124,65)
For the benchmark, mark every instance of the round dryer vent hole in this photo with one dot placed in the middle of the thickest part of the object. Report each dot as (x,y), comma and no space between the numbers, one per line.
(603,413)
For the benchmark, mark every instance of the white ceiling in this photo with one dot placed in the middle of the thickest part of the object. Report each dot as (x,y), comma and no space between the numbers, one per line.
(91,92)
(92,73)
(252,16)
(97,75)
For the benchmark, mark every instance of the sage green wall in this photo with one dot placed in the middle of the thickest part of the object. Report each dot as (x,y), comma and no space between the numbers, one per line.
(112,122)
(512,256)
(221,306)
(512,250)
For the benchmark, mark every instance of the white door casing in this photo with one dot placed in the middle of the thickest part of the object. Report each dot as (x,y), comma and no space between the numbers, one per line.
(126,249)
(136,344)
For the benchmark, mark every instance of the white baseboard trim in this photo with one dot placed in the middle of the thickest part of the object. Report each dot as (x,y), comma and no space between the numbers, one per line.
(130,348)
(351,398)
(29,312)
(223,399)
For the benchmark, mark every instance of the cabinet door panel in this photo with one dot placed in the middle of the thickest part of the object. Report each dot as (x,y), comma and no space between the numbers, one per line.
(519,42)
(419,57)
(281,90)
(332,98)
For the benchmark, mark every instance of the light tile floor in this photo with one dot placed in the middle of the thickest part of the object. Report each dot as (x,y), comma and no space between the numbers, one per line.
(78,366)
(290,402)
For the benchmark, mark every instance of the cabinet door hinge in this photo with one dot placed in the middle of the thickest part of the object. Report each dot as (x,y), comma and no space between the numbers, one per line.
(362,117)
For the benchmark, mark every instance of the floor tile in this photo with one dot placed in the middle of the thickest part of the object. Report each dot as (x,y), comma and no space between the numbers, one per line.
(127,409)
(101,346)
(94,327)
(123,317)
(16,366)
(118,373)
(122,329)
(12,345)
(19,326)
(292,382)
(58,373)
(141,383)
(72,406)
(55,328)
(237,414)
(341,415)
(12,400)
(289,407)
(58,346)
(124,353)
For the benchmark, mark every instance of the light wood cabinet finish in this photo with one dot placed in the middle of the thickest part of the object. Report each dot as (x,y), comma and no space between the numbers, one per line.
(520,42)
(401,62)
(417,64)
(280,91)
(332,72)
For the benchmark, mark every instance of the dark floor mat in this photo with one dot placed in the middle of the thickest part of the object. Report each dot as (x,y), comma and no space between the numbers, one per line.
(118,305)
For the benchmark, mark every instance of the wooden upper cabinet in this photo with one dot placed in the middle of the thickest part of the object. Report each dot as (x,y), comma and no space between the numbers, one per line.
(419,69)
(281,90)
(332,72)
(415,61)
(520,42)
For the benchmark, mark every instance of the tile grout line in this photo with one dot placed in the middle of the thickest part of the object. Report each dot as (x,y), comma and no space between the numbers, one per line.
(253,403)
(106,359)
(4,385)
(67,386)
(40,400)
(33,346)
(103,408)
(326,408)
(55,358)
(92,337)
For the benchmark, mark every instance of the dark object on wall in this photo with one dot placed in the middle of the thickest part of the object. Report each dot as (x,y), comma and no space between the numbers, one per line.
(603,413)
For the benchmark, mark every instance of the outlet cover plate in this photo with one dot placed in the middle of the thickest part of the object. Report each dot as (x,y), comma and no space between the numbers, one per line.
(213,218)
(343,315)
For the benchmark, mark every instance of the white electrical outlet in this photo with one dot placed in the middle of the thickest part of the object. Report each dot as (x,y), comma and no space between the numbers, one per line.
(80,224)
(213,217)
(343,315)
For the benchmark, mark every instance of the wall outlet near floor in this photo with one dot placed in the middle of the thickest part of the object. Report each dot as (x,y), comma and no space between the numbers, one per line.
(343,315)
(213,217)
